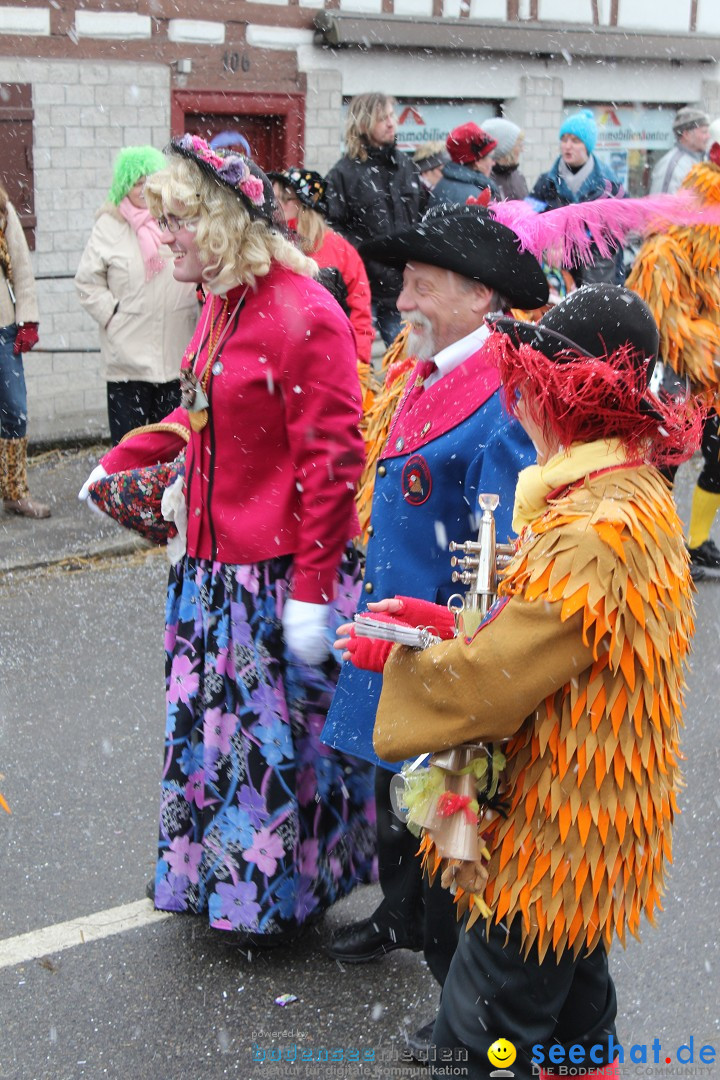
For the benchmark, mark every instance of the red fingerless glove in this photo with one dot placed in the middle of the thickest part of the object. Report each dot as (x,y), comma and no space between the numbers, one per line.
(370,654)
(26,337)
(435,617)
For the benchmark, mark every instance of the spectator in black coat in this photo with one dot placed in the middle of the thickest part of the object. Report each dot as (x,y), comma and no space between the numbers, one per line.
(372,191)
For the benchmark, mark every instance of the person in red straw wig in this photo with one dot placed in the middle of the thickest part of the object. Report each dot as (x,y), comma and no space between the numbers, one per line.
(579,671)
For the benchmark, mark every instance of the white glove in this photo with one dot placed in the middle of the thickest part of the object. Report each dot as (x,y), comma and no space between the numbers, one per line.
(305,631)
(97,474)
(173,507)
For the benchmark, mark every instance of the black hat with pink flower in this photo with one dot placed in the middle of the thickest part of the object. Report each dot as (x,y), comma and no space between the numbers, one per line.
(240,174)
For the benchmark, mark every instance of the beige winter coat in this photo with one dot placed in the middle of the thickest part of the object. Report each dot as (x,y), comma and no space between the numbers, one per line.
(146,337)
(25,308)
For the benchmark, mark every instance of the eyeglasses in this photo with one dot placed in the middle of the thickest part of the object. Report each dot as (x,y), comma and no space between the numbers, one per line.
(175,224)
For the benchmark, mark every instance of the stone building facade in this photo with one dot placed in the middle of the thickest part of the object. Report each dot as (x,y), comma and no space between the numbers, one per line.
(79,79)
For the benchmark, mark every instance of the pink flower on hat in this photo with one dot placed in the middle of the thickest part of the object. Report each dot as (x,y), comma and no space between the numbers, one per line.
(231,168)
(203,150)
(253,188)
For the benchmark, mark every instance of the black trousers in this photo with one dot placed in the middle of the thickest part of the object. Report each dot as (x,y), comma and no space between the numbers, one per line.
(492,993)
(133,403)
(414,911)
(709,478)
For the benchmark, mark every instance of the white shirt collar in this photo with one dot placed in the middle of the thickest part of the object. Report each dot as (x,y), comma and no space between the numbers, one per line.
(453,355)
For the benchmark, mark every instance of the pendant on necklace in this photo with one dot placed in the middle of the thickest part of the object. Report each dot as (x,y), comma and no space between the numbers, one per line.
(194,399)
(198,419)
(188,388)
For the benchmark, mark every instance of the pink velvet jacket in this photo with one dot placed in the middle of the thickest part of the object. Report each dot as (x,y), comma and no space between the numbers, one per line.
(274,471)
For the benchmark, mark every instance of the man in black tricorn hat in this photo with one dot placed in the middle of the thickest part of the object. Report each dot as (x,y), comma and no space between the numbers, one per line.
(450,440)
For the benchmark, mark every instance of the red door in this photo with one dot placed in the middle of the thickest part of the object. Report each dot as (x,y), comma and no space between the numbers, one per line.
(270,123)
(262,134)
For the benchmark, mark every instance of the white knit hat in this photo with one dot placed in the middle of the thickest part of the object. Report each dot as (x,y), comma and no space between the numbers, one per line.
(504,132)
(689,117)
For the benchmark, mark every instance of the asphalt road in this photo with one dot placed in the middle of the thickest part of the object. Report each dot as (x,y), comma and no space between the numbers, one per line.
(81,721)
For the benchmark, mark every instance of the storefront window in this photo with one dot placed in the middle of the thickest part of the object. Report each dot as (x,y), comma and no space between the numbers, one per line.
(421,122)
(631,138)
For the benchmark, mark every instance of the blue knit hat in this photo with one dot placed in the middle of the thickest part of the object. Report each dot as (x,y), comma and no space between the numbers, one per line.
(582,125)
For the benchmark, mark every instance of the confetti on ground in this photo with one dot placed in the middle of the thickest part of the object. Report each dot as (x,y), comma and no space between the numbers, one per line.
(285,999)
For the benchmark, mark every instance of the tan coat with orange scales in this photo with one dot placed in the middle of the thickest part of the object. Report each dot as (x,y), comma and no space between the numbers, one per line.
(582,671)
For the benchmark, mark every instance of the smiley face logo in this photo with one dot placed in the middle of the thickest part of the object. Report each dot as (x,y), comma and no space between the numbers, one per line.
(502,1053)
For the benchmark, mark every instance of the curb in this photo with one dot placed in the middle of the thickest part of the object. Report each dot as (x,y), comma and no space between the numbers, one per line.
(113,549)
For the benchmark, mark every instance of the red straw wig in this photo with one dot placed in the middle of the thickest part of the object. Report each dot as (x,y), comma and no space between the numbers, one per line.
(579,399)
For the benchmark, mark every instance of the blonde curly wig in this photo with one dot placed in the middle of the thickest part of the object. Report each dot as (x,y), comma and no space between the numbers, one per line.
(234,249)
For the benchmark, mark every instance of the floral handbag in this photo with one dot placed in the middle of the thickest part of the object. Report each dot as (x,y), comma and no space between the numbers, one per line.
(134,497)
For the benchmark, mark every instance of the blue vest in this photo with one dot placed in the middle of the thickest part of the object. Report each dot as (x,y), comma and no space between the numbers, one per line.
(423,499)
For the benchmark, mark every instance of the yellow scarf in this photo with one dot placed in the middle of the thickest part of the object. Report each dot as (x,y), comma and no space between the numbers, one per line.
(568,466)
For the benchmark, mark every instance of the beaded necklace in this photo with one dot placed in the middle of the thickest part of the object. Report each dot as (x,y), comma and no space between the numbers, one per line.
(194,387)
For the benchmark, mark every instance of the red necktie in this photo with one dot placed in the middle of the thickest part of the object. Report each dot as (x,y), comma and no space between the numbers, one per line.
(423,369)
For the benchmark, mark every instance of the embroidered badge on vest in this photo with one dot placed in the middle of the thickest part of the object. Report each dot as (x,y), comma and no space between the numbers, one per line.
(416,481)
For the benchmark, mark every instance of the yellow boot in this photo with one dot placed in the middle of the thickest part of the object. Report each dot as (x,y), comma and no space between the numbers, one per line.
(704,555)
(13,476)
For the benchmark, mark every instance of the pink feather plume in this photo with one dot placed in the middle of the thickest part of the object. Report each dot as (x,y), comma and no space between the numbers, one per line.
(571,234)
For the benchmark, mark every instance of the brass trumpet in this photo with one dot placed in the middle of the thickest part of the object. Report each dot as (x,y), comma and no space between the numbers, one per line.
(446,797)
(478,568)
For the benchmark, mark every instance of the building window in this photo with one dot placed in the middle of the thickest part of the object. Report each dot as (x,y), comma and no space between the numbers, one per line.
(16,160)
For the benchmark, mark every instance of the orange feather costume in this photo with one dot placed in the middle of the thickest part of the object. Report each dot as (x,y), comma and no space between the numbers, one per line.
(677,273)
(600,597)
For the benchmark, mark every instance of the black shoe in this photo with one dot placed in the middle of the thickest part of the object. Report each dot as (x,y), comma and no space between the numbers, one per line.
(420,1043)
(705,558)
(367,940)
(698,573)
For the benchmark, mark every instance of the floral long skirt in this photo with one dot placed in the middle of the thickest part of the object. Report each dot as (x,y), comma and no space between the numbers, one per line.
(262,826)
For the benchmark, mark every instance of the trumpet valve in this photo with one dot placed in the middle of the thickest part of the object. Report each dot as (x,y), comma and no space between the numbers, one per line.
(467,562)
(468,547)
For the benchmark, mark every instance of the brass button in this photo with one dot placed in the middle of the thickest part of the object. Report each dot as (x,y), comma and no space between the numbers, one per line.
(399,443)
(370,530)
(382,471)
(368,586)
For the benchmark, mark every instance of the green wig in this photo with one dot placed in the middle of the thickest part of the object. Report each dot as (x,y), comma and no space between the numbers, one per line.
(130,164)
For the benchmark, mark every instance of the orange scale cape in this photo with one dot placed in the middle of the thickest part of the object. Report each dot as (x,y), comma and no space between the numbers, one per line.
(593,774)
(677,273)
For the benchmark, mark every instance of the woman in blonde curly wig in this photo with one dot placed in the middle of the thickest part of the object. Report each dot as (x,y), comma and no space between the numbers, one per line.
(262,827)
(235,247)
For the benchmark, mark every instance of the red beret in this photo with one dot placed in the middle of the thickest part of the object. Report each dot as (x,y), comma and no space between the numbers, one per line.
(468,142)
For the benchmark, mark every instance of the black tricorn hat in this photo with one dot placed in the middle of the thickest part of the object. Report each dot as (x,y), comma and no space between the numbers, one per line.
(467,240)
(593,321)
